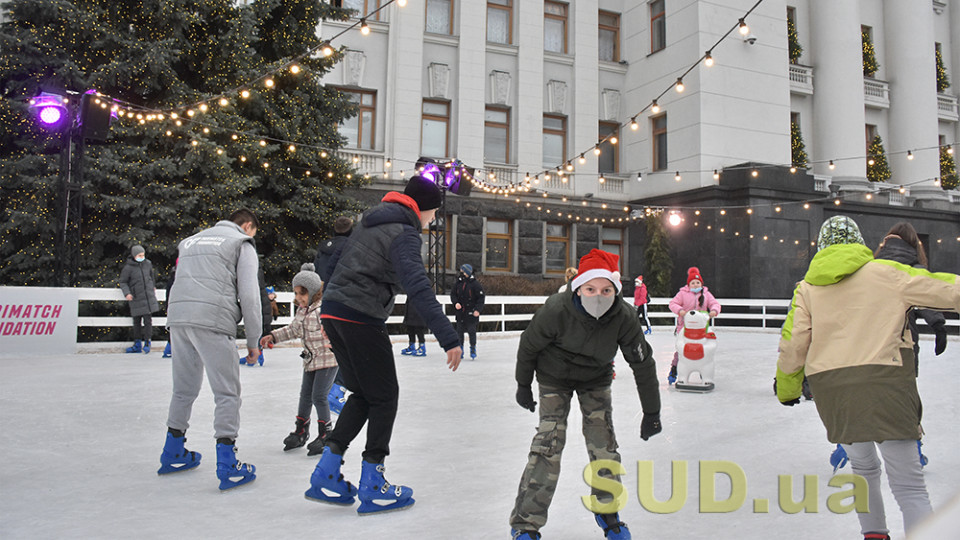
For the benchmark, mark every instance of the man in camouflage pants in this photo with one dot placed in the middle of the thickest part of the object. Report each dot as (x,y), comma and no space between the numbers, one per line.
(568,346)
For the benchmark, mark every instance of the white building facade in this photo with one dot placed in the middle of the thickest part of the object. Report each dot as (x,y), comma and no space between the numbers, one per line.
(519,88)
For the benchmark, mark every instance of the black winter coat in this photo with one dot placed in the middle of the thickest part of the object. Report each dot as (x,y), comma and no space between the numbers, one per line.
(569,349)
(325,252)
(379,259)
(895,249)
(469,294)
(137,279)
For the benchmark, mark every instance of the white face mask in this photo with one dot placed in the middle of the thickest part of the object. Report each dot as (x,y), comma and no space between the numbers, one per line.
(597,305)
(140,258)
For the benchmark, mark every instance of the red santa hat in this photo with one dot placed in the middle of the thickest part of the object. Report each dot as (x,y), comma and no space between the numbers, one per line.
(598,263)
(693,273)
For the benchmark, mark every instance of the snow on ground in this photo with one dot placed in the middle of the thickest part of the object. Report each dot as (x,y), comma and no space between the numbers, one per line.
(82,435)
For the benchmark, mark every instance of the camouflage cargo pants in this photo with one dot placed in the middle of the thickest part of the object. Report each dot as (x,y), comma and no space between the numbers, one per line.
(540,476)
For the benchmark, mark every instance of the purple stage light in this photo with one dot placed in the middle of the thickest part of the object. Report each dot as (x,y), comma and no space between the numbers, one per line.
(431,172)
(49,108)
(50,115)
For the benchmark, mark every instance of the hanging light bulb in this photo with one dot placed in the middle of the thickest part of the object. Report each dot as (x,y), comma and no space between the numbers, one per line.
(364,28)
(601,179)
(950,150)
(582,159)
(245,94)
(677,177)
(909,155)
(327,50)
(402,3)
(387,163)
(708,59)
(831,165)
(596,150)
(679,86)
(224,102)
(744,29)
(754,173)
(294,69)
(716,174)
(268,82)
(870,162)
(569,166)
(639,176)
(614,140)
(654,107)
(633,124)
(793,170)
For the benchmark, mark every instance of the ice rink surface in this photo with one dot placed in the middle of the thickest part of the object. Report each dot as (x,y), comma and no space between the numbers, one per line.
(82,434)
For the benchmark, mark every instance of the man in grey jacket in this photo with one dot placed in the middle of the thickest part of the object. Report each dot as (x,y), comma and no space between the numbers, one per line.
(216,285)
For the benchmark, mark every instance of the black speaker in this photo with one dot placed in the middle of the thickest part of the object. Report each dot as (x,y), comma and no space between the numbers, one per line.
(94,118)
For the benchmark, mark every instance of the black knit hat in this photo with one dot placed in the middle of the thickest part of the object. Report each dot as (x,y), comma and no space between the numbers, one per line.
(426,193)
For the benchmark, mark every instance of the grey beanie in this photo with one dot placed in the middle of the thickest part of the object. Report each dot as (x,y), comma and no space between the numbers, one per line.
(308,279)
(136,250)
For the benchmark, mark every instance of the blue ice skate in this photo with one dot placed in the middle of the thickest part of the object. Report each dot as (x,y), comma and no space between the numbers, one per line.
(377,495)
(146,347)
(672,377)
(230,471)
(524,535)
(923,458)
(613,528)
(473,353)
(176,458)
(421,350)
(839,458)
(167,352)
(336,398)
(648,331)
(137,347)
(409,351)
(327,484)
(243,360)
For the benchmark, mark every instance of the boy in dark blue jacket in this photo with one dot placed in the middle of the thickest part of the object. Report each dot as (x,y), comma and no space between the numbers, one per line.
(380,256)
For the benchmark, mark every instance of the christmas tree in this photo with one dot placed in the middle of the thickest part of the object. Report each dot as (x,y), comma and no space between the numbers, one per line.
(870,65)
(948,170)
(943,81)
(798,151)
(877,168)
(658,263)
(155,182)
(793,42)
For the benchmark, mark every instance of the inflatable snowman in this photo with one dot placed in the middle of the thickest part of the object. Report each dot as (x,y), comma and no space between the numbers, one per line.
(695,349)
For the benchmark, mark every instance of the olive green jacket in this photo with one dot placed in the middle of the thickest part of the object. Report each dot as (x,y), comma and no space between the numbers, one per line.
(569,349)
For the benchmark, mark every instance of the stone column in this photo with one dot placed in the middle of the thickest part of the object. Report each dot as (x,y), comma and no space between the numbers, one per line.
(402,106)
(530,83)
(911,72)
(471,99)
(838,115)
(954,67)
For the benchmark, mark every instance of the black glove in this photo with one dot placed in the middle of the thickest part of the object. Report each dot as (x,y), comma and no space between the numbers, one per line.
(941,340)
(650,426)
(790,403)
(525,398)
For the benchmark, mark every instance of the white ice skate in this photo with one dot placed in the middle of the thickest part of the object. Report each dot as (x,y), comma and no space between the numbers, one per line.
(695,349)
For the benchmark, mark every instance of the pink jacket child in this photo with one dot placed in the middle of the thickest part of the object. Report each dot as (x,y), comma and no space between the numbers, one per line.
(639,292)
(693,296)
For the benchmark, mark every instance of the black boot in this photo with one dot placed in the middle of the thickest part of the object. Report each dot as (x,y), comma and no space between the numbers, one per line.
(316,446)
(298,437)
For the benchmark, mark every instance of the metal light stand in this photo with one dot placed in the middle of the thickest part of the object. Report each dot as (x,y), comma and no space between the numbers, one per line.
(437,247)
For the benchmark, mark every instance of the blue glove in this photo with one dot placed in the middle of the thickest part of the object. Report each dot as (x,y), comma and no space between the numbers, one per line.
(838,458)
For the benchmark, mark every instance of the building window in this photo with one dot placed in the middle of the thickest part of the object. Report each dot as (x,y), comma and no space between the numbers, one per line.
(554,27)
(435,129)
(611,241)
(870,133)
(360,129)
(554,140)
(440,17)
(496,135)
(500,21)
(363,7)
(499,244)
(659,137)
(609,160)
(609,36)
(658,26)
(557,248)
